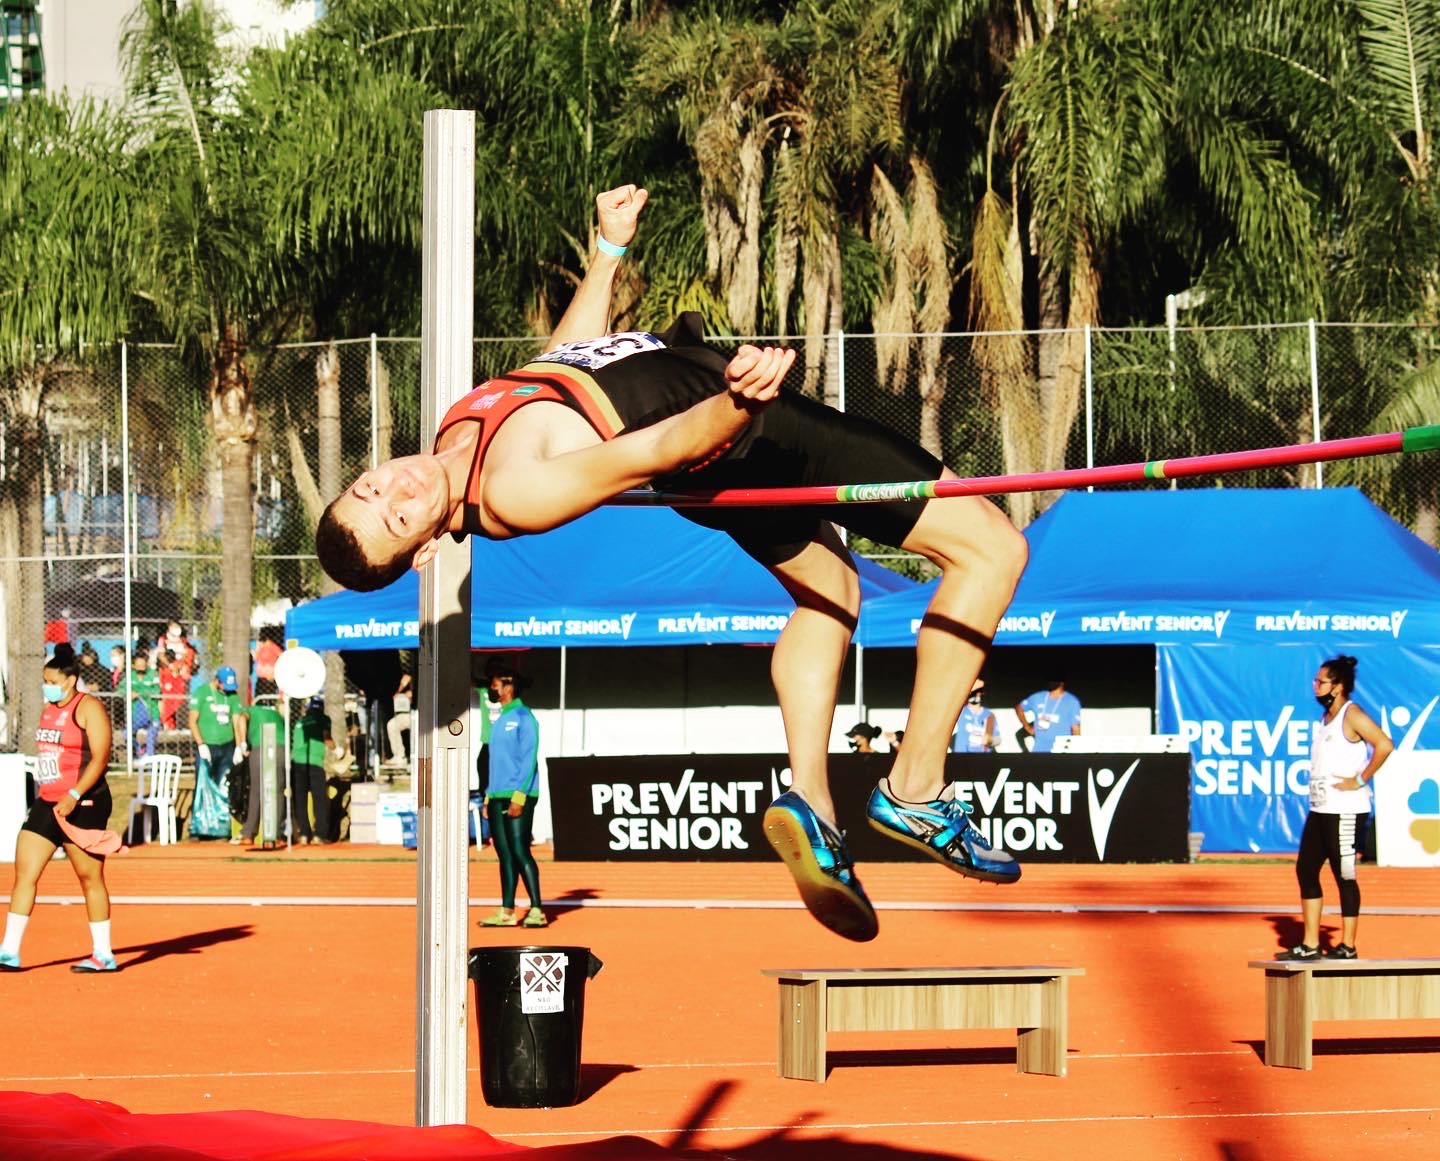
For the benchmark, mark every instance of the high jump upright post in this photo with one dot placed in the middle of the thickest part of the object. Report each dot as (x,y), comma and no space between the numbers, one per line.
(442,684)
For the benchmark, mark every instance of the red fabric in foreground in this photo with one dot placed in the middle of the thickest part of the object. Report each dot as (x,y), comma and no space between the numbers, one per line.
(62,1127)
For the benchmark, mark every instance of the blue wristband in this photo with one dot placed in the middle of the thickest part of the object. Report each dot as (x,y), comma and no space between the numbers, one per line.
(609,247)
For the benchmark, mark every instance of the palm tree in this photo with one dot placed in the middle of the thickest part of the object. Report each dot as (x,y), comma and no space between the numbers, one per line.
(207,269)
(1356,87)
(67,228)
(1101,104)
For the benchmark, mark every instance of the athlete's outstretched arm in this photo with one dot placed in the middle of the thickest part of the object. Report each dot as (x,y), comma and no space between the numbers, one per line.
(531,493)
(588,315)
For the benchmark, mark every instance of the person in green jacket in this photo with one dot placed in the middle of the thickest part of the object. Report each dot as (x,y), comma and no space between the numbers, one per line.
(217,725)
(309,791)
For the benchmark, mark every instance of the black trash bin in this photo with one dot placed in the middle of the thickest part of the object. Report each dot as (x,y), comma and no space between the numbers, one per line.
(530,1009)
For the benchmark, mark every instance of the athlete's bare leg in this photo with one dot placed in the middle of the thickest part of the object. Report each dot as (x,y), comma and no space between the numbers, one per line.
(810,656)
(981,556)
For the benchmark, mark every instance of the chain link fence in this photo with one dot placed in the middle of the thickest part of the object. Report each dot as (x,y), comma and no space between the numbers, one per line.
(118,465)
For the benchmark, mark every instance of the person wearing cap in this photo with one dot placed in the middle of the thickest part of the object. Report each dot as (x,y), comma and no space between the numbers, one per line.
(1053,713)
(861,735)
(217,724)
(975,731)
(510,798)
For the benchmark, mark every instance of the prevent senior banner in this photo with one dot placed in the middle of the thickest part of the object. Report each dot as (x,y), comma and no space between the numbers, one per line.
(1049,808)
(1248,714)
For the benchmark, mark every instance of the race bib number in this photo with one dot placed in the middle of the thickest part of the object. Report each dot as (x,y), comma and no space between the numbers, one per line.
(592,354)
(47,769)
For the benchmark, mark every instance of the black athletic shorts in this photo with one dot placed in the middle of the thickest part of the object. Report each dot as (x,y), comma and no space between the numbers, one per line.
(91,813)
(796,442)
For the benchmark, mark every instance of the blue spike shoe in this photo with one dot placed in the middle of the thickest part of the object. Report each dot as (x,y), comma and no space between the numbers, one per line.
(816,855)
(942,830)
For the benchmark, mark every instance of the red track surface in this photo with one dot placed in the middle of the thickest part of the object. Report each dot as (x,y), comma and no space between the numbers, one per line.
(309,1009)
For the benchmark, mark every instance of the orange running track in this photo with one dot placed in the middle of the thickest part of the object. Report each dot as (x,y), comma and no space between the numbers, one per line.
(284,982)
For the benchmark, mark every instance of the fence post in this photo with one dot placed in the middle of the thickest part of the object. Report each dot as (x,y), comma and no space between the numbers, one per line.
(125,560)
(1315,400)
(375,405)
(1089,406)
(840,369)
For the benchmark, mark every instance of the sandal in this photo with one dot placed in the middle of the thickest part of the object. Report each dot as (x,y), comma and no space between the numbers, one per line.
(535,918)
(501,918)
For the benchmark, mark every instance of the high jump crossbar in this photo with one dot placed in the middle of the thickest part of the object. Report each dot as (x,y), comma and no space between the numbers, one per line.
(1413,439)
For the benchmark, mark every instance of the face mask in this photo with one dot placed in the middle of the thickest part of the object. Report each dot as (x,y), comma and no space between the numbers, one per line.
(854,745)
(974,699)
(493,695)
(53,693)
(1326,700)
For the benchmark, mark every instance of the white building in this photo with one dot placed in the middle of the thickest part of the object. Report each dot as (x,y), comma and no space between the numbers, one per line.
(81,38)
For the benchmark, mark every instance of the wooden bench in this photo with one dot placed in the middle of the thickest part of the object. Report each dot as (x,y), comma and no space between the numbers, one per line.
(1299,992)
(817,1001)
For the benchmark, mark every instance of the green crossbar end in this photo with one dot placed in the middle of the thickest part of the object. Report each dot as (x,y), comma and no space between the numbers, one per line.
(1421,438)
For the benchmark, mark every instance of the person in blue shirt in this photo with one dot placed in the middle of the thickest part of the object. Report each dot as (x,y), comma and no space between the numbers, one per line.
(510,797)
(1053,712)
(975,732)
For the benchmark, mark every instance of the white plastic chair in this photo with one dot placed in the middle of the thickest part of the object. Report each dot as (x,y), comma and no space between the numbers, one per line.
(157,781)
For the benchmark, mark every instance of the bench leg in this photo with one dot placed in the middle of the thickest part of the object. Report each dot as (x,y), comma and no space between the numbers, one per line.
(1289,1019)
(1042,1049)
(802,1029)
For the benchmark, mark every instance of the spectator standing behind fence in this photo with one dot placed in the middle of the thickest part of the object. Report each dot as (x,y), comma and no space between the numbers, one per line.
(178,643)
(975,732)
(267,652)
(174,689)
(94,677)
(217,724)
(115,700)
(1055,713)
(1346,750)
(144,697)
(72,751)
(309,790)
(510,799)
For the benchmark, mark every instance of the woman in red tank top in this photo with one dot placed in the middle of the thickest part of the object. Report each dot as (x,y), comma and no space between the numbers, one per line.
(73,748)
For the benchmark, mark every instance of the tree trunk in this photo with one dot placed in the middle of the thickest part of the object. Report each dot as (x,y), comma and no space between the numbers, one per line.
(932,394)
(232,417)
(1427,522)
(328,433)
(22,542)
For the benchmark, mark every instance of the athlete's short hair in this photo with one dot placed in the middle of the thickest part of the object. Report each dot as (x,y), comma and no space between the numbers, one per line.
(1342,672)
(344,560)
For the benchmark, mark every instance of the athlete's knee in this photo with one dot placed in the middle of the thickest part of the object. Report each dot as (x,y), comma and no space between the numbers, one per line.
(983,537)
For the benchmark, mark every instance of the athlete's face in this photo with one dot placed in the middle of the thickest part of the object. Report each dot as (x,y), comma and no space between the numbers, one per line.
(397,507)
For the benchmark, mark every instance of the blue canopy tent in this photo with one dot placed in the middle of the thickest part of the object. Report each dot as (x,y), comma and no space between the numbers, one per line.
(1205,565)
(618,576)
(1243,593)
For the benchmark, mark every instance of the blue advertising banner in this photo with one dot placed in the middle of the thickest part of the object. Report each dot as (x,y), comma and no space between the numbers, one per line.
(1248,714)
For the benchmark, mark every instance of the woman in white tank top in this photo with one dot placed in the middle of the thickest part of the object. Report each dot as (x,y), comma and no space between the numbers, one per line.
(1346,749)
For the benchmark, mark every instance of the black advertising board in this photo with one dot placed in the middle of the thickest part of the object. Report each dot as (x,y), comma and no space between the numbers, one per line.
(1042,808)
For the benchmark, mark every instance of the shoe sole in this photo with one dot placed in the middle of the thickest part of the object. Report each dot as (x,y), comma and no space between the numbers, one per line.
(85,971)
(834,905)
(959,868)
